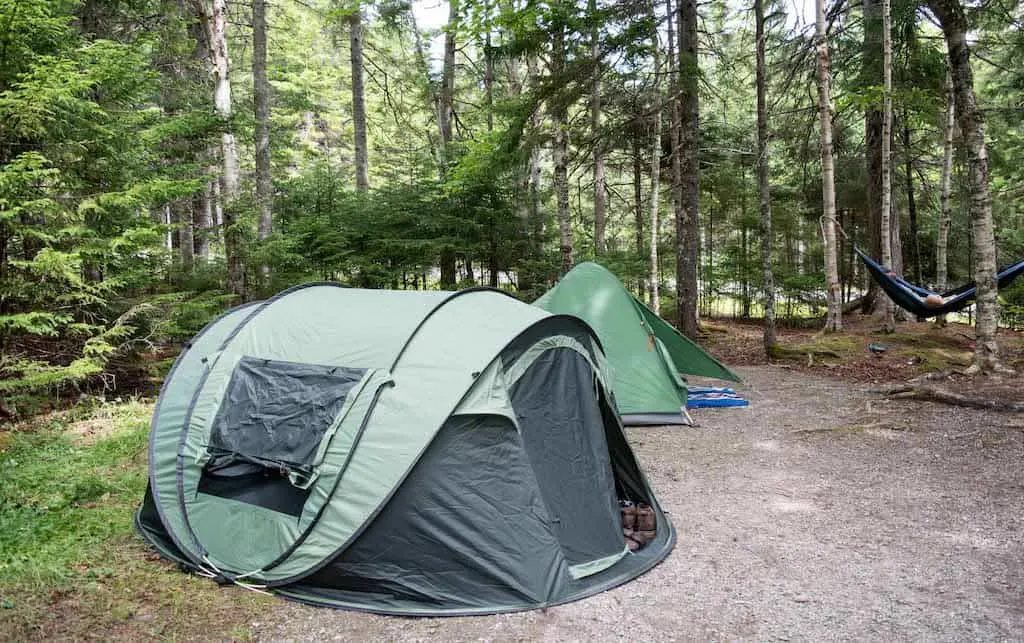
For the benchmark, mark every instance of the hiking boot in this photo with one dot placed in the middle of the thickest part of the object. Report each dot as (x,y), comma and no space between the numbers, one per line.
(645,518)
(644,537)
(629,513)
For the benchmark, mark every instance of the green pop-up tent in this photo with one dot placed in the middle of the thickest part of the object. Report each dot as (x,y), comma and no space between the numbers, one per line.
(399,452)
(646,354)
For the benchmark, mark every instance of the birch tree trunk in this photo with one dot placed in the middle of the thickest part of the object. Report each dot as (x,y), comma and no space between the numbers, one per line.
(942,234)
(972,127)
(886,161)
(595,132)
(687,222)
(763,188)
(215,19)
(652,279)
(222,98)
(834,320)
(355,38)
(167,218)
(261,107)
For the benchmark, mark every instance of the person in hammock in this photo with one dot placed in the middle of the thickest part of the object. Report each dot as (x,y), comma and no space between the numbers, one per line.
(930,298)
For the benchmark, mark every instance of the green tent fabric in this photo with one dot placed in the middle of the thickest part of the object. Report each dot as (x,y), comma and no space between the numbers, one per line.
(399,452)
(645,353)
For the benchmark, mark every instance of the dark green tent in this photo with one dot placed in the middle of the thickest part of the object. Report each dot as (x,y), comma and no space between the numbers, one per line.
(646,354)
(398,452)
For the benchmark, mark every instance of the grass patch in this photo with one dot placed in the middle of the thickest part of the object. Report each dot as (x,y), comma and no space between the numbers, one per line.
(71,566)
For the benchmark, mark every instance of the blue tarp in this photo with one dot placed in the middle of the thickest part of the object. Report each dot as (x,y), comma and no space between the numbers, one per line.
(713,396)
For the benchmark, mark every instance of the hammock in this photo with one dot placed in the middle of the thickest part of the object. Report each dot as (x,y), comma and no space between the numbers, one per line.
(912,298)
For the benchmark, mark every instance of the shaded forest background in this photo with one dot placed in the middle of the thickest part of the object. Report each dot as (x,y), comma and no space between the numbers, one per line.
(161,160)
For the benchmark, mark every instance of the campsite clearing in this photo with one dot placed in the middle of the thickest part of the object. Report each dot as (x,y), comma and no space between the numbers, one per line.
(821,511)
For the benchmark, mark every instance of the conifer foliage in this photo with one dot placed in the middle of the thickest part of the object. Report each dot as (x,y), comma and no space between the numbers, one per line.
(163,159)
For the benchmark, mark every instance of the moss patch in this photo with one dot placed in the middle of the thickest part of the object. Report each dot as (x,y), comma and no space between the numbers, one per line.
(824,347)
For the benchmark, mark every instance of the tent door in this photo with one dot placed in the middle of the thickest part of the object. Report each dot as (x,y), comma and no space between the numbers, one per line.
(560,418)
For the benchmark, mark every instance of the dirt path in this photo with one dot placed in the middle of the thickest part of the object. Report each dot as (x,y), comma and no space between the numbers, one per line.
(819,512)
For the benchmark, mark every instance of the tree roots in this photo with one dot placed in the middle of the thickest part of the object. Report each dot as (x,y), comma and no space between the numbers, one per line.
(919,389)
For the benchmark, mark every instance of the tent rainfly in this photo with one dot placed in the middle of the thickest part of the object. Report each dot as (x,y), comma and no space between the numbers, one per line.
(646,354)
(418,453)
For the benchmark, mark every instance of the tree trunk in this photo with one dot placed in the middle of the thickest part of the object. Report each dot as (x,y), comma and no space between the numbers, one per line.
(688,196)
(203,200)
(834,320)
(972,126)
(638,213)
(447,94)
(886,161)
(222,98)
(744,259)
(896,239)
(217,24)
(595,132)
(800,246)
(261,107)
(674,115)
(489,80)
(492,240)
(898,264)
(202,206)
(537,223)
(186,236)
(875,300)
(942,234)
(708,244)
(915,243)
(560,154)
(763,188)
(445,116)
(652,280)
(168,219)
(355,35)
(430,93)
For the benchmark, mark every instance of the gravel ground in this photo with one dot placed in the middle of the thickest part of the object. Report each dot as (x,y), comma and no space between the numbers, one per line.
(818,512)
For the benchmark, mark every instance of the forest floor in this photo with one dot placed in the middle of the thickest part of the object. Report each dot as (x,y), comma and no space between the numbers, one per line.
(823,510)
